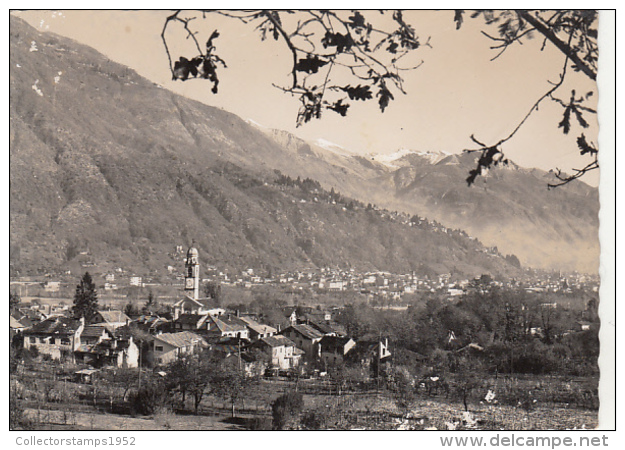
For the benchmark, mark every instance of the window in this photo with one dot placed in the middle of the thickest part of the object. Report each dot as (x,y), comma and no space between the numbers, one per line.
(42,340)
(52,341)
(65,341)
(33,340)
(158,348)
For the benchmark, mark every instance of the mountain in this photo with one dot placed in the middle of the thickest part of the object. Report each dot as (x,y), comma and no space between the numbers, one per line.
(109,169)
(509,207)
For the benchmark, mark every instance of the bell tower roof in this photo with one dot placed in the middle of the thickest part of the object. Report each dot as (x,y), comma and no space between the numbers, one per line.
(192,252)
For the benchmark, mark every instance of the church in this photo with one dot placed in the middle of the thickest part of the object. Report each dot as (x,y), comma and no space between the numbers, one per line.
(191,303)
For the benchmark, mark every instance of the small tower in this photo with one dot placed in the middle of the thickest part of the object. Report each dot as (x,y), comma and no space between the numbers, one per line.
(192,274)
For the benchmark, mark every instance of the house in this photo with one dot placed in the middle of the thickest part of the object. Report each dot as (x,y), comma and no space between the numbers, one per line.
(151,324)
(225,326)
(306,338)
(188,305)
(370,354)
(334,348)
(166,347)
(190,322)
(325,328)
(104,349)
(86,376)
(56,336)
(15,326)
(30,316)
(256,329)
(283,352)
(113,318)
(318,316)
(94,334)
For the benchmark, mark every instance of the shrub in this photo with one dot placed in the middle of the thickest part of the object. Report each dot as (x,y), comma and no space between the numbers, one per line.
(149,399)
(17,416)
(314,419)
(33,352)
(285,410)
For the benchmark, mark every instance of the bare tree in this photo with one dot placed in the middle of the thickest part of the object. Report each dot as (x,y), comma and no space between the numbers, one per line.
(322,43)
(574,34)
(374,55)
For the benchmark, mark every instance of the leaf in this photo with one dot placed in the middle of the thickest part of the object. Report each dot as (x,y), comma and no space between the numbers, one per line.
(338,40)
(565,124)
(182,68)
(580,119)
(357,20)
(209,43)
(340,107)
(385,97)
(358,93)
(584,146)
(392,47)
(458,18)
(472,176)
(310,65)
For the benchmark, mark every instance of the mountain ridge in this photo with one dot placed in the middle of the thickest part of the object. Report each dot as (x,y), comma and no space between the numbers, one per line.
(107,162)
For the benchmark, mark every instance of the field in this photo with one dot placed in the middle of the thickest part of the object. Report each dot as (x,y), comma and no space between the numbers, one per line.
(52,401)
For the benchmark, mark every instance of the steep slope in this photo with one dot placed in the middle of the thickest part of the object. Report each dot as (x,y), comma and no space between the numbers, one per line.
(510,207)
(108,169)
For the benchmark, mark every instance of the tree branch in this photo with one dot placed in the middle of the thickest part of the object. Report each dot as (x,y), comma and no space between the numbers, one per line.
(562,46)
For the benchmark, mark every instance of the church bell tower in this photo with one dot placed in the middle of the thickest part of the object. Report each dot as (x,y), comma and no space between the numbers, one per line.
(192,274)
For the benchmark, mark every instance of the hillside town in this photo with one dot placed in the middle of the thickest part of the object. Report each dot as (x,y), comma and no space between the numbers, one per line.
(385,287)
(276,342)
(191,325)
(175,264)
(193,322)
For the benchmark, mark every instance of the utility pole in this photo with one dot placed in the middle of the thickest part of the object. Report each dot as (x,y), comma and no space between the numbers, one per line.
(140,352)
(379,358)
(239,344)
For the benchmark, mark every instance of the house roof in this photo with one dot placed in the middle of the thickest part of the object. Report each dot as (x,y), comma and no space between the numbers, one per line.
(107,326)
(114,316)
(204,302)
(13,323)
(56,326)
(93,331)
(324,328)
(150,321)
(28,322)
(333,343)
(306,331)
(191,319)
(229,324)
(278,341)
(181,339)
(257,327)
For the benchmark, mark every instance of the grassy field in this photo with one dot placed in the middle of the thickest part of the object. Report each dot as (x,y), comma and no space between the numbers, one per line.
(51,401)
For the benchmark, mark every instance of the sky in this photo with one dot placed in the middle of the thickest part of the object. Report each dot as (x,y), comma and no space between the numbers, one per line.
(456,92)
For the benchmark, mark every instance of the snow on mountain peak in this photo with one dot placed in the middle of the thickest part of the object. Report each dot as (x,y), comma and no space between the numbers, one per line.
(334,148)
(388,159)
(256,124)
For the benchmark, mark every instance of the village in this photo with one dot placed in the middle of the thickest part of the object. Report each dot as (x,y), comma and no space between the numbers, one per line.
(189,325)
(316,348)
